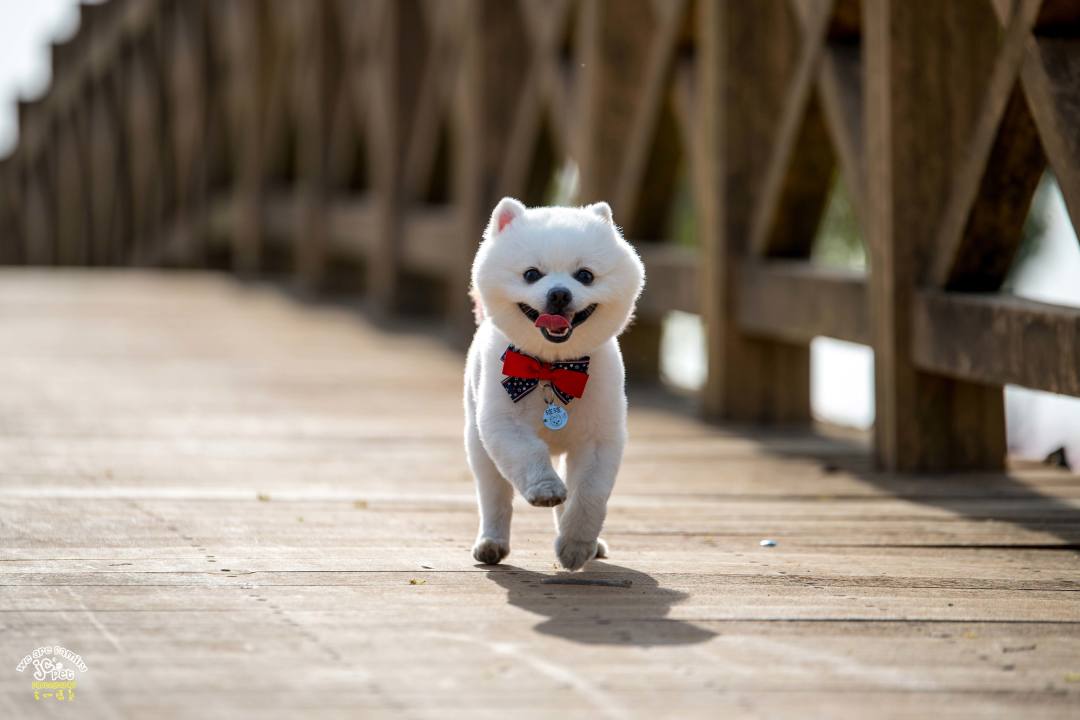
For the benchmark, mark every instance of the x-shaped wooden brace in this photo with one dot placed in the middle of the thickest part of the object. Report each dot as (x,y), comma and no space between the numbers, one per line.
(1029,115)
(823,115)
(356,25)
(279,102)
(669,17)
(437,85)
(545,93)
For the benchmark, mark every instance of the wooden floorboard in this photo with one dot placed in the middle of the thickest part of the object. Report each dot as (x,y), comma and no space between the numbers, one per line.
(236,503)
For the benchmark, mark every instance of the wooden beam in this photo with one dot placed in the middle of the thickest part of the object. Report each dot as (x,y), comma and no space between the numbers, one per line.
(800,164)
(316,68)
(790,212)
(998,339)
(622,95)
(143,118)
(429,240)
(401,49)
(542,26)
(39,215)
(434,92)
(280,215)
(188,97)
(795,301)
(748,51)
(244,86)
(11,237)
(636,207)
(352,227)
(72,191)
(672,279)
(992,189)
(492,65)
(1049,74)
(558,72)
(977,249)
(916,114)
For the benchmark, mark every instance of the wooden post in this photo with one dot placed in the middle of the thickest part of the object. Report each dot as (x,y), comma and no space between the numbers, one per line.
(108,179)
(742,92)
(40,237)
(393,103)
(616,43)
(927,67)
(494,64)
(246,45)
(11,236)
(143,125)
(187,52)
(71,217)
(310,241)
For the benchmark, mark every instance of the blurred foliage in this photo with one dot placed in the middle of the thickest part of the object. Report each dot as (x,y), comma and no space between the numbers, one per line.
(839,241)
(682,222)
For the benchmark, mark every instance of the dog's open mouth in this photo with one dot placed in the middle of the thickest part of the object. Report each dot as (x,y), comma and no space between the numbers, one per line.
(556,328)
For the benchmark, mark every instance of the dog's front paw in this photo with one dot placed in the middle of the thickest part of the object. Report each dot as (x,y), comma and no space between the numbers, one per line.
(490,551)
(573,554)
(547,492)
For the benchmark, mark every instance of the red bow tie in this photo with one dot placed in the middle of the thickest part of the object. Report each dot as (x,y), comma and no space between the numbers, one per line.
(566,382)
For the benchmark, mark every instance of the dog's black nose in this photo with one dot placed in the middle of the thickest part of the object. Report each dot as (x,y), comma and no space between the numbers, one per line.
(558,298)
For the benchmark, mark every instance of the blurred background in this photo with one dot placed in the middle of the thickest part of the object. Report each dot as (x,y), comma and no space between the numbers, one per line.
(184,141)
(27,31)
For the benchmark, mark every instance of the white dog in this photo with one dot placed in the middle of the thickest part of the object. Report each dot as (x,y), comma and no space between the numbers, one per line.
(544,377)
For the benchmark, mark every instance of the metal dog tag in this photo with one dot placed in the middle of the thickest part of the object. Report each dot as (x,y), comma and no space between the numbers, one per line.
(555,417)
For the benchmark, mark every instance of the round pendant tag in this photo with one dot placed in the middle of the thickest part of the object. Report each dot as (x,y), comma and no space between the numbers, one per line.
(555,417)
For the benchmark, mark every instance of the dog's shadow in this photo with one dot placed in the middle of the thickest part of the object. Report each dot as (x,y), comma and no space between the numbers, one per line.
(600,614)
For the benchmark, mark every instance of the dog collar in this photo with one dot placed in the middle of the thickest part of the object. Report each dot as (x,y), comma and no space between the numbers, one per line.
(524,373)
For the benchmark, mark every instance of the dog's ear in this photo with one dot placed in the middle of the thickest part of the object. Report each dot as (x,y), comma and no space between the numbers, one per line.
(505,213)
(603,210)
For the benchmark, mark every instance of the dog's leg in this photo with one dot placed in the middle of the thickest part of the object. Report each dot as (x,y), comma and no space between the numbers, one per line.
(591,471)
(602,549)
(524,460)
(494,496)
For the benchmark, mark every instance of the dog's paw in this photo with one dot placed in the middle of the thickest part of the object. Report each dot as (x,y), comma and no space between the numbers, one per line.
(573,554)
(489,551)
(601,549)
(548,492)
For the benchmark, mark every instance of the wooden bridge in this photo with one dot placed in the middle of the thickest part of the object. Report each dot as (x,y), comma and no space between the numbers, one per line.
(233,503)
(233,496)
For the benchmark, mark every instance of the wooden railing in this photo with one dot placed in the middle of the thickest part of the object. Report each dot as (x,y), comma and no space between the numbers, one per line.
(363,143)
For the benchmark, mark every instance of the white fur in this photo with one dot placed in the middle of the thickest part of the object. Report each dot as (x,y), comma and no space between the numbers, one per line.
(506,443)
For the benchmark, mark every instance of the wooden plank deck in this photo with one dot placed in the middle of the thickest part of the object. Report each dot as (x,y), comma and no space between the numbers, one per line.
(235,504)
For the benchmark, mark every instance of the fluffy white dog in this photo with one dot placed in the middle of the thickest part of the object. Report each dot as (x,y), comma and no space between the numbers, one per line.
(544,378)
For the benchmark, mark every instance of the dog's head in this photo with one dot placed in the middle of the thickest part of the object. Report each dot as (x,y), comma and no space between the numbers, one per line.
(557,281)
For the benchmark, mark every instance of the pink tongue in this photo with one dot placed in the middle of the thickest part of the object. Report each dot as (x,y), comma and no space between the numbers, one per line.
(552,322)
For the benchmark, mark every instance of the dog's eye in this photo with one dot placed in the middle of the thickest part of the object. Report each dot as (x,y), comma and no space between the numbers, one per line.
(583,276)
(532,275)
